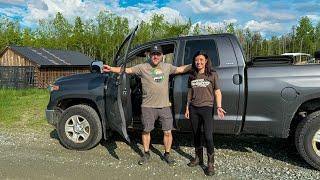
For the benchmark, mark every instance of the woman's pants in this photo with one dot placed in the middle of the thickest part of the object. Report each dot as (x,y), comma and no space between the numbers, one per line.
(202,117)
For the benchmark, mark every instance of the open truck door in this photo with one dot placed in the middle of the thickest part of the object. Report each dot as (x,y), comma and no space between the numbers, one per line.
(117,91)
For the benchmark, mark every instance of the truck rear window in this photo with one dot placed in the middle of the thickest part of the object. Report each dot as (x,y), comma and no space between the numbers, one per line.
(207,45)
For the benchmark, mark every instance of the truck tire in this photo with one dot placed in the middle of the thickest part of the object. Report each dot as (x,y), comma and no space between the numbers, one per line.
(79,128)
(307,139)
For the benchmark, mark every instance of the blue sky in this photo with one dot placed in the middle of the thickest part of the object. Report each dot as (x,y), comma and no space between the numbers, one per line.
(270,17)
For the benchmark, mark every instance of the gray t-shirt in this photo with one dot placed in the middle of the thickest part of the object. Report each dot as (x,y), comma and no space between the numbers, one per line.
(155,83)
(203,88)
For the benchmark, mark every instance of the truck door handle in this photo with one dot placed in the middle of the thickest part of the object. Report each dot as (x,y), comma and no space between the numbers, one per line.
(124,92)
(237,79)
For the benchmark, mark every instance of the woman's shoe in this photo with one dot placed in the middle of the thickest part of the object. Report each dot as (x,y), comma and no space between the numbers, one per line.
(210,169)
(198,158)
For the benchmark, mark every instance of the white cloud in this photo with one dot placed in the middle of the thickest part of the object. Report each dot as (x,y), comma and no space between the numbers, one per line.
(38,4)
(145,13)
(264,26)
(230,21)
(43,9)
(267,14)
(220,6)
(313,17)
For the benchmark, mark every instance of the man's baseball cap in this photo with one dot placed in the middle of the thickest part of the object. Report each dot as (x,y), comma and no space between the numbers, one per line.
(156,49)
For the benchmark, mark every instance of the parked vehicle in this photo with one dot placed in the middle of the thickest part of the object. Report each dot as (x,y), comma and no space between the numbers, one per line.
(300,58)
(261,97)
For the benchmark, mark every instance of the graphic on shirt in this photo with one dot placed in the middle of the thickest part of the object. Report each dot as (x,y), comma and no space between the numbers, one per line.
(200,83)
(157,75)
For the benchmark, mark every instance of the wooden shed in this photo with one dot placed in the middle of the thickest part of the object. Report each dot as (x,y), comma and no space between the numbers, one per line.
(38,67)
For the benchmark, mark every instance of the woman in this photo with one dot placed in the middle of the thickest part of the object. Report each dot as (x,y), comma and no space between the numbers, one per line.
(203,89)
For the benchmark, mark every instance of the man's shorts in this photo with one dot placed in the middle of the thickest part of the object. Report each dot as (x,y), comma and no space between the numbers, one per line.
(150,115)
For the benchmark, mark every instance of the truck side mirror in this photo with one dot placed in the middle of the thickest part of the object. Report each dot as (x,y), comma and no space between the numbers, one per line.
(96,67)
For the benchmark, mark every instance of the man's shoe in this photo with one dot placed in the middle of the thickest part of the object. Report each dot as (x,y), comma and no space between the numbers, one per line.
(168,158)
(144,159)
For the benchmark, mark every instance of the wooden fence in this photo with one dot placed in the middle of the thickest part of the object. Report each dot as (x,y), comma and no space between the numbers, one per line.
(17,76)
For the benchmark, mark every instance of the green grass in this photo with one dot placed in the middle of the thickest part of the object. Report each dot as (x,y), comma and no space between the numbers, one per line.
(23,108)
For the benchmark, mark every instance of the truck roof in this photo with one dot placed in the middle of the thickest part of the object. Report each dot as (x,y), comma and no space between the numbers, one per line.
(185,38)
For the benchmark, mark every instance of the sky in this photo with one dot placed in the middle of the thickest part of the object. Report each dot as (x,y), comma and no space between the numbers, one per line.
(269,17)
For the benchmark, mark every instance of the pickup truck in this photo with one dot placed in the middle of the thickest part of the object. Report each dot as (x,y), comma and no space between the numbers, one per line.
(267,96)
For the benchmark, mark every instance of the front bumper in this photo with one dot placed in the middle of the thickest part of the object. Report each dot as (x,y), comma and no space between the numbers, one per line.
(53,116)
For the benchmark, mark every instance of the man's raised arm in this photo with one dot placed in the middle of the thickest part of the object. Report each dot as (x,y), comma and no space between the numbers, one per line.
(107,68)
(183,69)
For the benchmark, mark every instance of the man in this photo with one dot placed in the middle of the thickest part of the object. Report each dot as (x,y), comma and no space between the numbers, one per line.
(155,100)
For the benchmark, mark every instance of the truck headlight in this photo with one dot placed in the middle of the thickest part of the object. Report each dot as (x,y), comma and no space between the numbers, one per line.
(53,87)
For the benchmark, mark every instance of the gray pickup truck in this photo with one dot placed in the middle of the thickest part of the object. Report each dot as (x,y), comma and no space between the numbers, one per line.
(268,96)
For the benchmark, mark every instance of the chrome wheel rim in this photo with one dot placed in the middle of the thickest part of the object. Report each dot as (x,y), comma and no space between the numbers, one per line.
(77,129)
(316,142)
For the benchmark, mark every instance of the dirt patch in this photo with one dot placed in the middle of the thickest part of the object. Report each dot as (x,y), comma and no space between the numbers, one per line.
(30,154)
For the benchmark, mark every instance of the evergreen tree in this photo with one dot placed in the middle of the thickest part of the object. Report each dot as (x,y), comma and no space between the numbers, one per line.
(305,35)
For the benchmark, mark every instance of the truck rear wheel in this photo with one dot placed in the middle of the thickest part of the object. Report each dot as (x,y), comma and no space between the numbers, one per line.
(79,128)
(307,139)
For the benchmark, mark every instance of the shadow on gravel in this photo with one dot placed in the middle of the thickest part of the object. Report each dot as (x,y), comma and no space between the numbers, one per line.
(54,134)
(111,147)
(276,148)
(156,138)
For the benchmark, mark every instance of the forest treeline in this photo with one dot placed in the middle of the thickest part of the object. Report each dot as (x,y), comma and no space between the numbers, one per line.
(99,38)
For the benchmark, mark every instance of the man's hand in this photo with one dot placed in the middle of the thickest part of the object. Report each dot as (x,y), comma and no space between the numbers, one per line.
(106,68)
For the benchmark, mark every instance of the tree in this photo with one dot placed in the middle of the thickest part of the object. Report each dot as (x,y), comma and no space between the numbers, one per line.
(317,36)
(9,33)
(305,35)
(100,37)
(230,28)
(61,30)
(27,37)
(77,38)
(196,29)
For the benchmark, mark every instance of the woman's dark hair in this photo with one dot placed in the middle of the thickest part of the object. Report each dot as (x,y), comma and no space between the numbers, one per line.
(208,68)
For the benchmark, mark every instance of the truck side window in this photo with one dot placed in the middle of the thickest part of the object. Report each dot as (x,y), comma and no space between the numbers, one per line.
(143,55)
(136,60)
(207,45)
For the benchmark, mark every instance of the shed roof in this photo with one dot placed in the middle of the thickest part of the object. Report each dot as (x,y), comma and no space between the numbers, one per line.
(52,57)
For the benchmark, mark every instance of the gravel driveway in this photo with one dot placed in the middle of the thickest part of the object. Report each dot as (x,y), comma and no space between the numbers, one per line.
(30,154)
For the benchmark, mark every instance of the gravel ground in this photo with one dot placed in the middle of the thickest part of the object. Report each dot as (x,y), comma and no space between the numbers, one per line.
(30,154)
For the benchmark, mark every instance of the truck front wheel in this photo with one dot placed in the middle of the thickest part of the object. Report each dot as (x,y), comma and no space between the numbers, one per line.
(79,128)
(307,139)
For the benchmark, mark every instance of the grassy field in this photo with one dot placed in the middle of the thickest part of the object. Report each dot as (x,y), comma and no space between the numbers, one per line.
(23,108)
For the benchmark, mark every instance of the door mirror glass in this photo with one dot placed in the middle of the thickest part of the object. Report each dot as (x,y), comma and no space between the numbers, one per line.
(96,67)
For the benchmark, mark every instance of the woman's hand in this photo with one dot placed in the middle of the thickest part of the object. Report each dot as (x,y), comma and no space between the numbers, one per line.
(186,114)
(221,112)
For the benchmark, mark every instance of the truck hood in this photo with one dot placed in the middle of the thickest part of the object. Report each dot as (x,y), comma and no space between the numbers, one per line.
(76,77)
(81,81)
